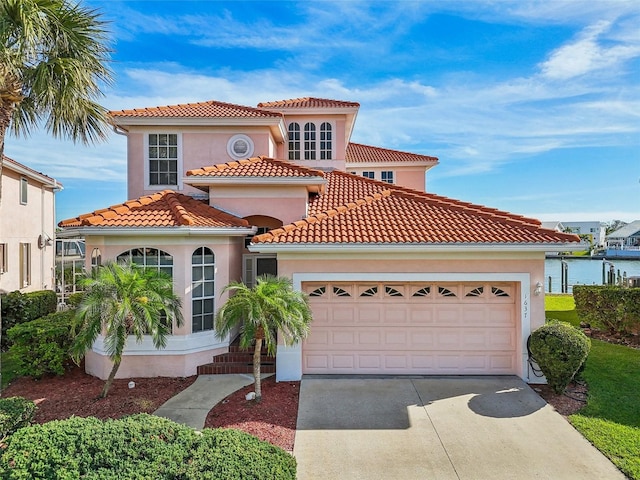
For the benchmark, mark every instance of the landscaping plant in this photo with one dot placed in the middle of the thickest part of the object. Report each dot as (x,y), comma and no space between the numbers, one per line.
(271,306)
(124,299)
(137,447)
(42,346)
(15,413)
(560,350)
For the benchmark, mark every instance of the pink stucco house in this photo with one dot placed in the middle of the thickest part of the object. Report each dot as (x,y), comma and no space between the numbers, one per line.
(400,281)
(27,228)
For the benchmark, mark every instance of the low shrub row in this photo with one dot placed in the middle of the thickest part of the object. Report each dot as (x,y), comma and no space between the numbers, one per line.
(611,308)
(42,346)
(15,413)
(20,307)
(139,447)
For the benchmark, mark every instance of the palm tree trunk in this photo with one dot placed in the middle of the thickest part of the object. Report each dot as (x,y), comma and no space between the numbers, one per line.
(109,381)
(256,368)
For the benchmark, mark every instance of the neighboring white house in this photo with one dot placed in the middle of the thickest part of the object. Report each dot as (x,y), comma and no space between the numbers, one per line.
(27,228)
(596,231)
(625,241)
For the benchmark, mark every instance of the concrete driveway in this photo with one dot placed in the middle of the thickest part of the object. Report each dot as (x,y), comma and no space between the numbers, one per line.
(437,428)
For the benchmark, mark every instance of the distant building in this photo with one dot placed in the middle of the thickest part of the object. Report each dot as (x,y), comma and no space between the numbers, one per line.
(594,231)
(27,228)
(624,242)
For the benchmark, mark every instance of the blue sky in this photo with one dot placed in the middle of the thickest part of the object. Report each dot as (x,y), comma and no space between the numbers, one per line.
(531,106)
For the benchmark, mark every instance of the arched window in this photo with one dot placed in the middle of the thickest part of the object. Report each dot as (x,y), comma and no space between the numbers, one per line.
(96,258)
(309,141)
(149,258)
(294,141)
(325,141)
(202,289)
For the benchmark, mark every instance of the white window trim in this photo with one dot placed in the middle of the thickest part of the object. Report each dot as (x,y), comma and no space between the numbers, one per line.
(24,190)
(25,265)
(203,296)
(180,173)
(317,124)
(393,177)
(3,258)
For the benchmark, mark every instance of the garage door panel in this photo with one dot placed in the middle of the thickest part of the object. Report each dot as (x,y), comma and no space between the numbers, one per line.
(414,335)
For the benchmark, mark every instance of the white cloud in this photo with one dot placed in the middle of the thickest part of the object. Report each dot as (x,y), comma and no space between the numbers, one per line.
(587,54)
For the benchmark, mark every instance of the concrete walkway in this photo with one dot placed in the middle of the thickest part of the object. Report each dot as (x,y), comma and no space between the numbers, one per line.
(191,406)
(469,428)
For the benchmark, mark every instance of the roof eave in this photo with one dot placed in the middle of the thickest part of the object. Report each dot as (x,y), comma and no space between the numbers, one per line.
(27,172)
(414,247)
(155,231)
(203,180)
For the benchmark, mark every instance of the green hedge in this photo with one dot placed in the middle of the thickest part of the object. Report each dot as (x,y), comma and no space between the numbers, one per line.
(560,350)
(139,447)
(42,346)
(611,308)
(15,413)
(20,307)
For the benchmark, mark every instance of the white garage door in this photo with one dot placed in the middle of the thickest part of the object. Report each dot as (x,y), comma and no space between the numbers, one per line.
(411,328)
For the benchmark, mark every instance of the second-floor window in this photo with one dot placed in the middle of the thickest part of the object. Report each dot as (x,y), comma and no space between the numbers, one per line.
(368,175)
(24,187)
(294,141)
(310,142)
(163,159)
(387,177)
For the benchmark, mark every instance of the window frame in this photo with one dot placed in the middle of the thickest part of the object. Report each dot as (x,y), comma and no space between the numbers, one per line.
(389,176)
(24,190)
(204,297)
(293,136)
(325,145)
(25,264)
(147,161)
(310,141)
(4,258)
(369,174)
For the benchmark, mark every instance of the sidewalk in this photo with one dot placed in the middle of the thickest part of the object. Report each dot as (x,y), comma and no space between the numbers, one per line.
(191,406)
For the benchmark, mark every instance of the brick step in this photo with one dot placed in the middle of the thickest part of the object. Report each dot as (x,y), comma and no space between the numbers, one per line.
(237,367)
(235,348)
(241,358)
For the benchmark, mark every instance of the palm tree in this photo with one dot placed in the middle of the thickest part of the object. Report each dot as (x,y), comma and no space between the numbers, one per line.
(122,299)
(52,61)
(271,306)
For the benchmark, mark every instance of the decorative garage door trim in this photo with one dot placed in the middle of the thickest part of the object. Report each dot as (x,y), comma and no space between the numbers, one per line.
(289,358)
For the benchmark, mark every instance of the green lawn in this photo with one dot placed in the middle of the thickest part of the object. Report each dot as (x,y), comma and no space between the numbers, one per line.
(611,418)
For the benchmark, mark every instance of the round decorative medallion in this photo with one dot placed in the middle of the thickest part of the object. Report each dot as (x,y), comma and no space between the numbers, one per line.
(240,146)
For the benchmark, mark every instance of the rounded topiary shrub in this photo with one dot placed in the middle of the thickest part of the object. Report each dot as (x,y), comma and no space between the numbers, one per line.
(139,447)
(560,350)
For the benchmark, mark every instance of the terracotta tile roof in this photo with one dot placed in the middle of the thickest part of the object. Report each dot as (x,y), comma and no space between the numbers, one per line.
(162,209)
(211,108)
(256,167)
(308,102)
(358,210)
(358,153)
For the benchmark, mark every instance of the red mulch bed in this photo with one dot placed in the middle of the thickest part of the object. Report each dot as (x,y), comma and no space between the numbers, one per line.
(77,393)
(273,419)
(568,403)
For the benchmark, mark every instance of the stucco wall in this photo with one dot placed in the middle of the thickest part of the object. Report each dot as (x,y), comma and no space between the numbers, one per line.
(24,224)
(200,147)
(185,350)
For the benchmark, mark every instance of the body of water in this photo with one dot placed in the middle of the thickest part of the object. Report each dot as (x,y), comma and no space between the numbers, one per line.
(585,272)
